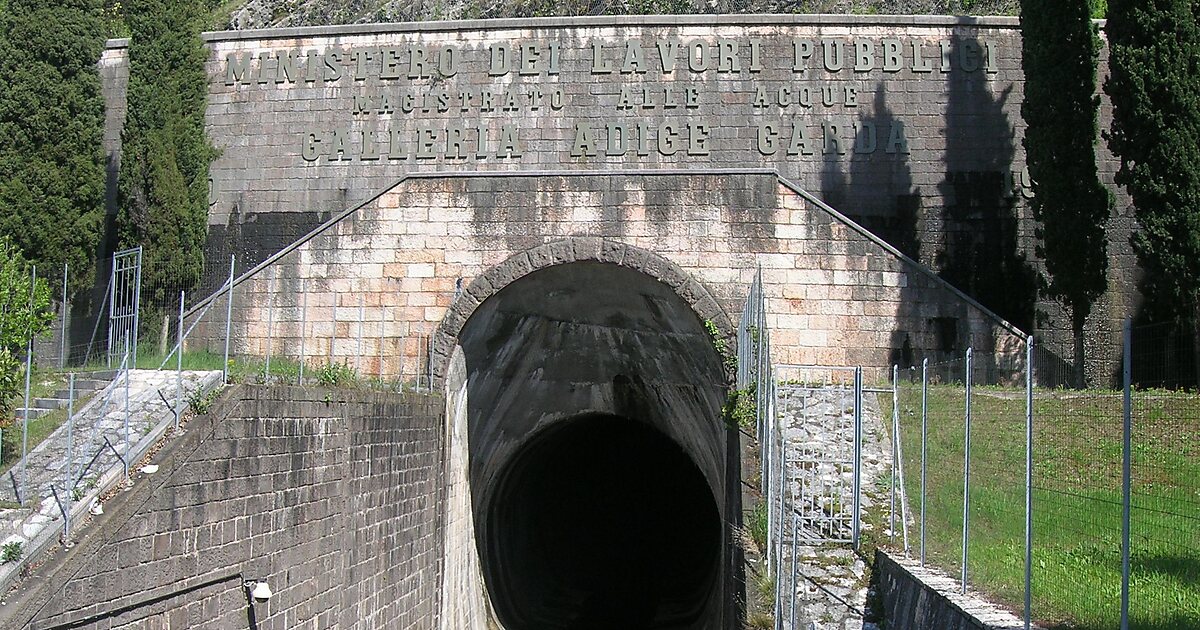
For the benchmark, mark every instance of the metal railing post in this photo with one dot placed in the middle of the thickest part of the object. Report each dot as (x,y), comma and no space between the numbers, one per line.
(924,443)
(137,305)
(795,571)
(303,327)
(67,485)
(125,459)
(179,365)
(28,371)
(1126,467)
(228,321)
(966,472)
(1028,481)
(358,347)
(270,326)
(62,344)
(857,498)
(382,323)
(895,450)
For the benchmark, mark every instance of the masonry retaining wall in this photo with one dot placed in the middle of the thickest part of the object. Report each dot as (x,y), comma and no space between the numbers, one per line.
(334,499)
(919,598)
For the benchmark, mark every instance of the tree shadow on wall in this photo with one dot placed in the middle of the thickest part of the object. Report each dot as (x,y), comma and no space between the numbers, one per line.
(886,169)
(981,252)
(890,207)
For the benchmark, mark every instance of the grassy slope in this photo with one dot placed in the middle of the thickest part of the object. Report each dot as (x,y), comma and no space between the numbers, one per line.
(1077,503)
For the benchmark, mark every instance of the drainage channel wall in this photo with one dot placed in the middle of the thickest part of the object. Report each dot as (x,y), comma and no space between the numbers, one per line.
(331,497)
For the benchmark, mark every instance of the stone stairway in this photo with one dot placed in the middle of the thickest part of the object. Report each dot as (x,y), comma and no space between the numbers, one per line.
(86,385)
(88,453)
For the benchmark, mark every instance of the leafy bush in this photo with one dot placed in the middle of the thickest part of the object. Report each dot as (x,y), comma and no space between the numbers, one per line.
(20,319)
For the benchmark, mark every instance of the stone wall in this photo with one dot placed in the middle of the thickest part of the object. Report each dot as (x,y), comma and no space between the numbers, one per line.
(836,295)
(914,597)
(910,125)
(332,498)
(915,134)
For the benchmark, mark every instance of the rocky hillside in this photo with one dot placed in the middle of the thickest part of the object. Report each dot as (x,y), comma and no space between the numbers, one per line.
(248,14)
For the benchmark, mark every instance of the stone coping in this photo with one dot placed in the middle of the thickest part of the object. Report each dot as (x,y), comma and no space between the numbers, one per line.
(973,606)
(599,21)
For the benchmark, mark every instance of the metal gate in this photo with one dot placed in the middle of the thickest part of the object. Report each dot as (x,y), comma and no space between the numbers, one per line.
(125,292)
(818,414)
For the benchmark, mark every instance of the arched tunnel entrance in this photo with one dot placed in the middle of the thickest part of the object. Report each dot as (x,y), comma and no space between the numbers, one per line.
(610,525)
(603,480)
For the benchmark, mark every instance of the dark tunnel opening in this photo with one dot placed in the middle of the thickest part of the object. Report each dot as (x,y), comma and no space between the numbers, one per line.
(602,522)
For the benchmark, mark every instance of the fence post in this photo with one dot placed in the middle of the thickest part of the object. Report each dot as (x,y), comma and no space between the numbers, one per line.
(179,365)
(68,487)
(1126,468)
(382,322)
(782,491)
(62,344)
(270,326)
(25,415)
(855,527)
(792,589)
(125,459)
(895,451)
(966,473)
(1028,480)
(137,306)
(303,326)
(333,335)
(228,321)
(924,442)
(358,346)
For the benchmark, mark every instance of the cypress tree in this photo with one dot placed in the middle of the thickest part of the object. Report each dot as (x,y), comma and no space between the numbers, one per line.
(52,122)
(163,187)
(1060,51)
(1155,91)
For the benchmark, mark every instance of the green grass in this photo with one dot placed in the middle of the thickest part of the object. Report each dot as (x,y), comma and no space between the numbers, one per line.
(1077,501)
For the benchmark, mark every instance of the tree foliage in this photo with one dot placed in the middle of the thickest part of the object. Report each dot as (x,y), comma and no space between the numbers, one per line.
(1155,91)
(23,315)
(52,121)
(1060,51)
(163,187)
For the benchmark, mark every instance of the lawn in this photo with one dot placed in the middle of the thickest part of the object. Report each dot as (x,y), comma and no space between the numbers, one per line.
(1077,500)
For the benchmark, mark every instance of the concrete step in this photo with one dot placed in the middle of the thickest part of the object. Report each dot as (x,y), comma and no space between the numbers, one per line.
(82,389)
(91,383)
(34,413)
(50,403)
(100,375)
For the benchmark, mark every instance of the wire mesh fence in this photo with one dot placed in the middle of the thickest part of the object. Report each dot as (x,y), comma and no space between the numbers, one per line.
(1033,490)
(1164,478)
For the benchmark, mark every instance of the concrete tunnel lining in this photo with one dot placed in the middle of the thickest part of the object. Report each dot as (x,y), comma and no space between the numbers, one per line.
(596,349)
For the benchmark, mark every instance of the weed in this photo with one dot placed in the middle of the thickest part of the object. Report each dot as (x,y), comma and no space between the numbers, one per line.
(336,375)
(760,621)
(740,409)
(764,588)
(728,360)
(201,401)
(758,524)
(11,552)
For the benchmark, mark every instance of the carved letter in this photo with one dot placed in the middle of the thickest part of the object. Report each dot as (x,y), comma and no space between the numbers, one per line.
(585,141)
(766,139)
(864,55)
(235,68)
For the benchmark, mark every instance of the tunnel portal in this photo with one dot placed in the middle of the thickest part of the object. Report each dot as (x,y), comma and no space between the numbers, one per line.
(603,481)
(610,525)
